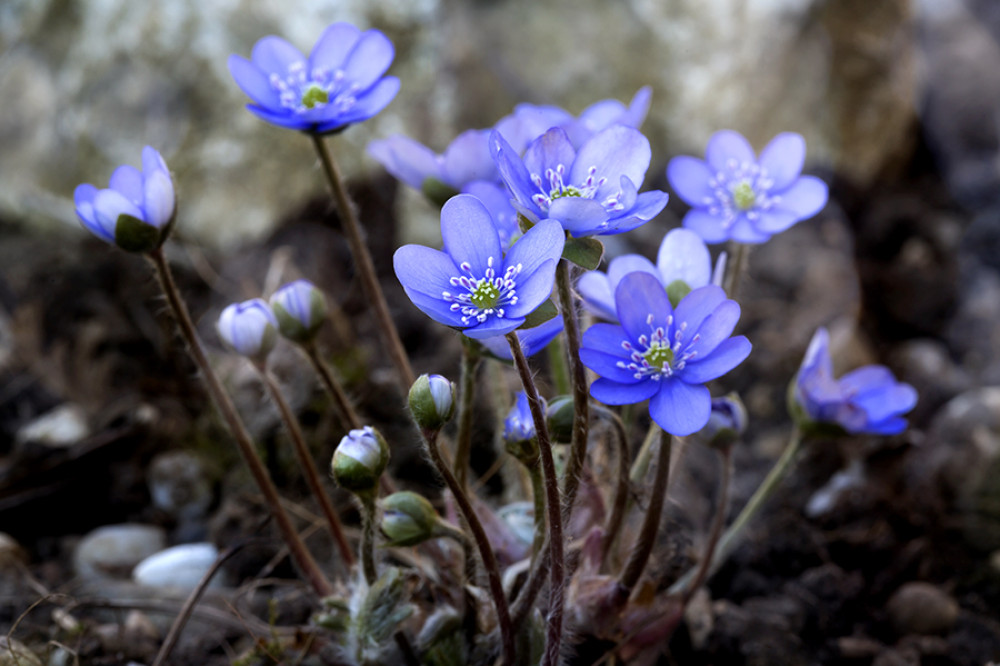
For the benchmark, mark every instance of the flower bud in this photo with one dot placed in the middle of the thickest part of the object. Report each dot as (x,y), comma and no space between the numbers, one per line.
(408,519)
(360,459)
(432,401)
(520,424)
(249,328)
(560,415)
(300,310)
(726,423)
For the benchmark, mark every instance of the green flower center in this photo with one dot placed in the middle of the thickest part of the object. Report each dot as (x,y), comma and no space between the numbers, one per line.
(314,95)
(743,196)
(566,191)
(485,296)
(658,354)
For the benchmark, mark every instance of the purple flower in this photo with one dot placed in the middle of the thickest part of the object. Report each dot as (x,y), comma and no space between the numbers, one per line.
(682,261)
(136,210)
(735,196)
(519,426)
(664,354)
(340,83)
(473,285)
(533,340)
(866,400)
(249,328)
(593,191)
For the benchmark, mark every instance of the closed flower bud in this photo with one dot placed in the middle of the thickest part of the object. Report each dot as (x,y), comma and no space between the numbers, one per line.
(559,415)
(300,309)
(360,459)
(408,519)
(249,328)
(432,401)
(726,423)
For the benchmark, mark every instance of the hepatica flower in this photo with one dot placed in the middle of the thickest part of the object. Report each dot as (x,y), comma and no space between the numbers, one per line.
(593,191)
(736,196)
(300,310)
(473,285)
(682,264)
(339,83)
(664,354)
(137,208)
(519,424)
(249,328)
(866,400)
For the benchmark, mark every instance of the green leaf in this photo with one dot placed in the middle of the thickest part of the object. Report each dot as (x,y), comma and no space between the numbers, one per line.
(584,252)
(540,315)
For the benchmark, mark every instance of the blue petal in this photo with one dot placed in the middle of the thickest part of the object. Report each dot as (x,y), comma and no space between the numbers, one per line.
(370,104)
(617,151)
(424,270)
(274,55)
(550,151)
(638,297)
(889,400)
(606,365)
(128,181)
(496,198)
(629,263)
(253,81)
(706,225)
(533,340)
(470,236)
(614,393)
(468,159)
(580,217)
(727,145)
(528,122)
(333,45)
(743,231)
(513,171)
(683,256)
(607,338)
(679,408)
(891,426)
(695,308)
(533,290)
(368,60)
(783,158)
(539,245)
(717,327)
(83,198)
(649,204)
(437,309)
(595,290)
(407,160)
(773,221)
(806,197)
(108,205)
(159,202)
(282,118)
(690,178)
(494,326)
(724,358)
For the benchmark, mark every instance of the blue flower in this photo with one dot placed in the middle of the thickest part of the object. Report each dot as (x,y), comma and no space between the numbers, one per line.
(136,210)
(735,196)
(664,354)
(249,328)
(593,191)
(682,258)
(866,400)
(519,426)
(473,285)
(340,83)
(533,340)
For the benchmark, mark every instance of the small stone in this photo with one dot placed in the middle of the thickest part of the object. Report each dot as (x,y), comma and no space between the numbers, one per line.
(60,427)
(922,608)
(180,485)
(180,567)
(113,551)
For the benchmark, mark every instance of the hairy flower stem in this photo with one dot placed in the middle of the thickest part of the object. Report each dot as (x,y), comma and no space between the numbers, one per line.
(368,520)
(619,501)
(489,558)
(308,465)
(558,355)
(581,397)
(728,540)
(303,558)
(552,504)
(538,497)
(642,459)
(722,503)
(740,253)
(651,522)
(366,267)
(466,398)
(350,419)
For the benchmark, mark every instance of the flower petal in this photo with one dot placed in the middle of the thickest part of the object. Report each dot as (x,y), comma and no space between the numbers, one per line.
(580,217)
(726,356)
(690,178)
(616,151)
(783,158)
(407,160)
(680,408)
(127,180)
(715,328)
(615,393)
(253,81)
(368,105)
(470,235)
(638,297)
(629,263)
(696,307)
(369,59)
(706,225)
(437,309)
(274,55)
(539,245)
(281,118)
(606,338)
(727,145)
(606,365)
(533,290)
(468,159)
(424,270)
(83,198)
(333,45)
(108,205)
(159,202)
(550,151)
(806,197)
(595,290)
(494,326)
(513,171)
(772,221)
(744,231)
(683,256)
